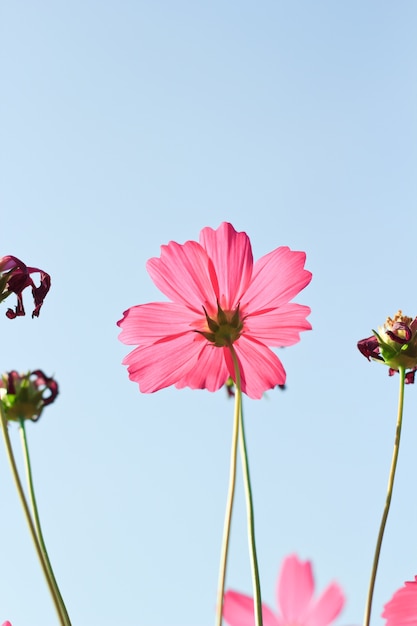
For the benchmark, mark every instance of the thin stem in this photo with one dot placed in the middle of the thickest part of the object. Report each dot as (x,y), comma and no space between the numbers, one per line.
(229,509)
(32,530)
(37,522)
(249,501)
(368,608)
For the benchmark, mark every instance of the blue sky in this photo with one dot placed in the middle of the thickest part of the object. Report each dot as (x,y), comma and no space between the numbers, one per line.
(125,125)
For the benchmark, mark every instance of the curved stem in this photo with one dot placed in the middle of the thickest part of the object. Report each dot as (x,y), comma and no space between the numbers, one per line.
(249,501)
(37,522)
(368,608)
(15,474)
(228,514)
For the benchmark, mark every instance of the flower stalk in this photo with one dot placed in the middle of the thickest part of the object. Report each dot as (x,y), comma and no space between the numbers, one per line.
(368,607)
(249,500)
(37,523)
(25,506)
(229,508)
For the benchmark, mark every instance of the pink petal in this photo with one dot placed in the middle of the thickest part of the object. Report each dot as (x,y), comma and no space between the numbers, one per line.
(279,327)
(209,372)
(163,363)
(238,611)
(231,253)
(184,273)
(277,278)
(294,589)
(327,607)
(260,368)
(147,323)
(401,610)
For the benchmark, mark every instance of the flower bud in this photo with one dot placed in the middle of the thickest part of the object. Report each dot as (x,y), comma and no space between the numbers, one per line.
(395,345)
(25,395)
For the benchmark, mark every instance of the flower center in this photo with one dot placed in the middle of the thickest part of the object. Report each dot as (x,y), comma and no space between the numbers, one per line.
(398,329)
(225,329)
(398,317)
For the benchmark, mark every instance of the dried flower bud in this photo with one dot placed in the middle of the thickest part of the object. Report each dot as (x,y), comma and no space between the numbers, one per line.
(25,395)
(15,276)
(395,345)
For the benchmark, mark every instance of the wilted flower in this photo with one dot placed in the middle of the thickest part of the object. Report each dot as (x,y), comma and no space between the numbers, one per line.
(24,396)
(15,276)
(401,610)
(219,298)
(296,606)
(395,344)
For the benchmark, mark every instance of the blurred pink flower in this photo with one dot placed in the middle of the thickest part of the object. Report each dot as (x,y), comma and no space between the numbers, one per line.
(15,276)
(296,606)
(6,624)
(401,610)
(219,297)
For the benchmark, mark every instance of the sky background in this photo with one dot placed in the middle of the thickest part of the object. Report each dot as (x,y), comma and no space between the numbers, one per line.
(124,125)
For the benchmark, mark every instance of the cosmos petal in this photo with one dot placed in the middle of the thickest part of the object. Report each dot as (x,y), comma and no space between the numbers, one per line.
(260,368)
(151,322)
(327,607)
(279,327)
(401,610)
(277,278)
(231,253)
(295,589)
(163,363)
(184,274)
(238,611)
(209,371)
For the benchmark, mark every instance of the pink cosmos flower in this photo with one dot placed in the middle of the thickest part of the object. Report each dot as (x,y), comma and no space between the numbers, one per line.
(15,276)
(401,610)
(219,298)
(6,624)
(296,606)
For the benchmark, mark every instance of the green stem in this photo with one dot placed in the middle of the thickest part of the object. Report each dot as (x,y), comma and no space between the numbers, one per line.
(249,501)
(32,530)
(229,509)
(37,522)
(368,608)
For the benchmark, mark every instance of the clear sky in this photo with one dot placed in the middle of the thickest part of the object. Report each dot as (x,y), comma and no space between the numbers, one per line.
(128,124)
